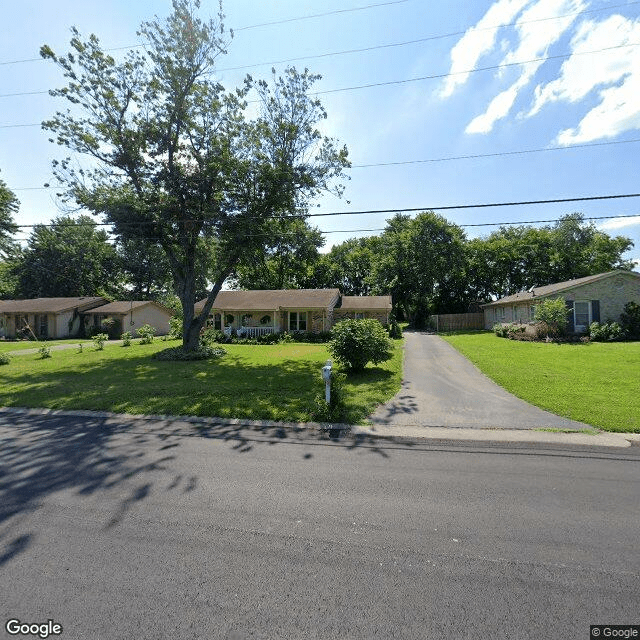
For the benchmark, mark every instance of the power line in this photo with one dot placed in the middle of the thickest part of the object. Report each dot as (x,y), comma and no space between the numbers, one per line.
(375,211)
(403,81)
(449,158)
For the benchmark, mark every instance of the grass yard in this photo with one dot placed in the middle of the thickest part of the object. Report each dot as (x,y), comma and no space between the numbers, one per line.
(597,383)
(274,382)
(7,346)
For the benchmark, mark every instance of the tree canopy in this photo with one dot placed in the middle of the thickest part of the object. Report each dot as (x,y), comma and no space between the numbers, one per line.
(175,160)
(9,205)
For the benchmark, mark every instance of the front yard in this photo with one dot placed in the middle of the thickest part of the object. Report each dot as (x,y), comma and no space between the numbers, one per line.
(597,383)
(274,382)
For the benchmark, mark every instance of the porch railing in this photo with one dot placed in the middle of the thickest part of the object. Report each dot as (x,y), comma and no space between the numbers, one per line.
(255,332)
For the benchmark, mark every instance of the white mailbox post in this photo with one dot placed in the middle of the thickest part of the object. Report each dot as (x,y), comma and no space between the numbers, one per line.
(326,376)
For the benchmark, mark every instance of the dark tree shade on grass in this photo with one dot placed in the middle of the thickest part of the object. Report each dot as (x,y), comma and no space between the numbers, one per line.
(174,160)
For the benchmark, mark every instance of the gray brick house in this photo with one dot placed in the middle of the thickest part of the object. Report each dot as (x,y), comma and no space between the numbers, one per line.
(598,298)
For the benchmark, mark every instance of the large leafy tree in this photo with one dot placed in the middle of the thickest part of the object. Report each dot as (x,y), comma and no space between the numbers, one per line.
(71,257)
(146,272)
(9,205)
(174,159)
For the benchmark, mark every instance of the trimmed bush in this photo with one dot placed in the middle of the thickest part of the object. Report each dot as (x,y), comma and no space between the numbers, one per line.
(355,343)
(5,358)
(98,341)
(607,332)
(45,352)
(146,333)
(201,353)
(126,339)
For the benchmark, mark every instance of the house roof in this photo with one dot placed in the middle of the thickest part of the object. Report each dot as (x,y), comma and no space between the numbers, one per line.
(271,299)
(48,305)
(120,307)
(550,289)
(369,303)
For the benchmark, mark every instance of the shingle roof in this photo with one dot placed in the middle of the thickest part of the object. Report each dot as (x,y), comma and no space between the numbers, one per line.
(48,305)
(125,306)
(550,289)
(271,299)
(366,302)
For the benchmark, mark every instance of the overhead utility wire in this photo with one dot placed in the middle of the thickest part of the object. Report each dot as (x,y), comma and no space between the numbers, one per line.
(372,211)
(374,47)
(394,82)
(449,158)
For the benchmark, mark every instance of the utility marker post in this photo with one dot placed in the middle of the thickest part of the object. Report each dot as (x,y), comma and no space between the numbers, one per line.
(326,376)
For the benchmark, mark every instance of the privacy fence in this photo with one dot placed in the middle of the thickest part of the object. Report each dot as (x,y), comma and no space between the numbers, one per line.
(458,321)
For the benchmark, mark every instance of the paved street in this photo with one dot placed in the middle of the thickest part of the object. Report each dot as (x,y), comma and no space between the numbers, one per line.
(115,531)
(441,388)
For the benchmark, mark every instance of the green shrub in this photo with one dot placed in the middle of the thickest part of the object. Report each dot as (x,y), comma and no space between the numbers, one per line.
(395,331)
(98,341)
(175,327)
(5,358)
(210,336)
(201,353)
(630,320)
(553,312)
(44,351)
(355,343)
(146,333)
(126,339)
(607,332)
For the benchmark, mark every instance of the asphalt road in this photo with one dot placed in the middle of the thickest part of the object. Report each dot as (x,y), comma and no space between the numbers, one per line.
(115,532)
(442,388)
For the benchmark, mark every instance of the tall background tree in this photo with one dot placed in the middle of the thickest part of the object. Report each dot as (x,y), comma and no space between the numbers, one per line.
(173,159)
(70,257)
(9,249)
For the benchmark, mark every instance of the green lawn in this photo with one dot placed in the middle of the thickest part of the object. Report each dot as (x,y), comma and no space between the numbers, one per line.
(9,346)
(597,383)
(276,382)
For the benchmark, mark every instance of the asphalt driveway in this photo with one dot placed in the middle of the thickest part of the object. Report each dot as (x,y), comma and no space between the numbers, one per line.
(441,388)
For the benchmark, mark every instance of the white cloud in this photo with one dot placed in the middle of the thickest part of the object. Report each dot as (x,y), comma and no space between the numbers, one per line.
(619,223)
(536,37)
(615,72)
(478,41)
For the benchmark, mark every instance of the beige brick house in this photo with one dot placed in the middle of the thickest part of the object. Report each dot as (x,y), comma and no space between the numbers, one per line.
(598,298)
(47,318)
(255,313)
(130,315)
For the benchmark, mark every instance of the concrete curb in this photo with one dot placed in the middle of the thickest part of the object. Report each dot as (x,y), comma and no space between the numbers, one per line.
(401,433)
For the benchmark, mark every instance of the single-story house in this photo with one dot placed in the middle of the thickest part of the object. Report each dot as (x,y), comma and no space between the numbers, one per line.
(259,312)
(47,318)
(598,298)
(130,316)
(355,307)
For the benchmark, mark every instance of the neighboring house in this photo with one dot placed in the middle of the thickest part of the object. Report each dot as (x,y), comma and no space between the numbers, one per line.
(255,313)
(377,307)
(47,318)
(130,316)
(598,298)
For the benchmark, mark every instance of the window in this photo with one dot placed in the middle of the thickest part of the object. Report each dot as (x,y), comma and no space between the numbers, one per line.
(359,316)
(229,319)
(214,320)
(581,315)
(265,320)
(297,320)
(532,312)
(500,313)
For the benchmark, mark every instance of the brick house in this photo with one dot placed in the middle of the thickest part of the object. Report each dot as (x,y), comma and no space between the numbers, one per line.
(255,313)
(130,315)
(598,298)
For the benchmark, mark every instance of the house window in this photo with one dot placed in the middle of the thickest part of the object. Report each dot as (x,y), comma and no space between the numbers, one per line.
(265,320)
(214,320)
(297,320)
(581,315)
(229,319)
(500,314)
(359,316)
(532,312)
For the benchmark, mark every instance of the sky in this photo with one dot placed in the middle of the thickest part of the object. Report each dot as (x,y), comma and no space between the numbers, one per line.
(474,102)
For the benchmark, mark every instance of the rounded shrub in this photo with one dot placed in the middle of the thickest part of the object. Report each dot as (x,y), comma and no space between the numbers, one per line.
(355,343)
(201,353)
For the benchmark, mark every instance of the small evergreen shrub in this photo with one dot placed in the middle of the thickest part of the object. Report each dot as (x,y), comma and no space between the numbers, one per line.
(146,333)
(630,320)
(126,339)
(210,336)
(175,327)
(395,332)
(201,353)
(98,341)
(355,343)
(5,358)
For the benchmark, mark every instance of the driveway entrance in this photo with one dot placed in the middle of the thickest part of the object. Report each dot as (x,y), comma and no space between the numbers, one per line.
(441,388)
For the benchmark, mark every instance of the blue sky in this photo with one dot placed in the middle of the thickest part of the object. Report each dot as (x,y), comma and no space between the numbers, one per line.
(584,92)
